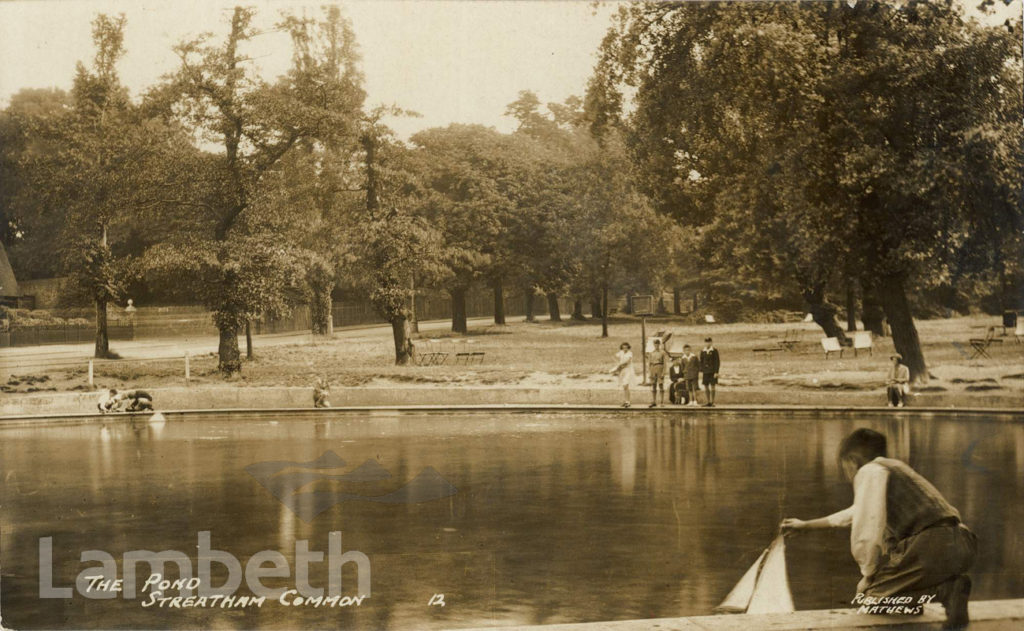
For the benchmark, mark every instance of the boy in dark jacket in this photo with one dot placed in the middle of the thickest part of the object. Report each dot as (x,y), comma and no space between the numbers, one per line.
(709,365)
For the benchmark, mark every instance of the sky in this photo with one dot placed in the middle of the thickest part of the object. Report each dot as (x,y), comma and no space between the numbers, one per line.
(450,61)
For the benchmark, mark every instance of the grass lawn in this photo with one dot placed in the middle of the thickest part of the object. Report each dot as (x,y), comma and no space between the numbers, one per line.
(573,355)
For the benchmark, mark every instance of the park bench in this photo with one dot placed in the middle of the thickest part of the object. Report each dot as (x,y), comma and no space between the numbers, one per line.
(862,340)
(981,344)
(790,340)
(468,356)
(768,350)
(431,354)
(831,345)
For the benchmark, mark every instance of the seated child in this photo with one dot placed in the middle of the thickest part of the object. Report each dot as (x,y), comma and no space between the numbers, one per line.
(677,392)
(897,382)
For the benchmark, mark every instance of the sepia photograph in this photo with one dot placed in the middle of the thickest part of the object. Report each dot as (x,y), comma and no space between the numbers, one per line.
(532,315)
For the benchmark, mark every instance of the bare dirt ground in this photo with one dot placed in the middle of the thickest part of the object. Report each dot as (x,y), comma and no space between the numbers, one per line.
(573,355)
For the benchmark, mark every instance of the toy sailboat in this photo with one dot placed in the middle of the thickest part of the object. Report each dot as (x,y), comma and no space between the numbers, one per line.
(764,588)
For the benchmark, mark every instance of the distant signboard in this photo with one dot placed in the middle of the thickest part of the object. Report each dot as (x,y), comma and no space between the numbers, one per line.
(643,305)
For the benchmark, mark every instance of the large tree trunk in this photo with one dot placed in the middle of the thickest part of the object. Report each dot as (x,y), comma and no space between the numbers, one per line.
(414,322)
(248,339)
(677,301)
(577,310)
(851,307)
(102,349)
(499,302)
(893,294)
(823,313)
(230,361)
(553,313)
(871,310)
(403,340)
(595,306)
(604,311)
(529,295)
(459,310)
(320,310)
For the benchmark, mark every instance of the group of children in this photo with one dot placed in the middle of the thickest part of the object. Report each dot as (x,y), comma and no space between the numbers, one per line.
(683,372)
(126,401)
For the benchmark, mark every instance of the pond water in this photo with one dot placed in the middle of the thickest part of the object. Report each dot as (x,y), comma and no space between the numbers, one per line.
(508,518)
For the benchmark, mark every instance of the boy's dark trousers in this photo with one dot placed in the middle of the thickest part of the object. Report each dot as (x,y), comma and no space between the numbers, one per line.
(896,395)
(923,561)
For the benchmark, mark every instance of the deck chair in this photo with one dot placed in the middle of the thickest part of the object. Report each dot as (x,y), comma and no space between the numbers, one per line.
(981,344)
(709,319)
(1019,333)
(831,345)
(862,340)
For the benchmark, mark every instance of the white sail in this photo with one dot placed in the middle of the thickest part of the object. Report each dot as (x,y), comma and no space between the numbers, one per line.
(764,588)
(739,598)
(771,590)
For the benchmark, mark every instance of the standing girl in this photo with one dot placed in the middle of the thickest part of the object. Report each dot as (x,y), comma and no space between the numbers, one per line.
(624,370)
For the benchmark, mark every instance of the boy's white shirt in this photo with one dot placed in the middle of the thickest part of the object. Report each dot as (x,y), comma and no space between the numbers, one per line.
(866,518)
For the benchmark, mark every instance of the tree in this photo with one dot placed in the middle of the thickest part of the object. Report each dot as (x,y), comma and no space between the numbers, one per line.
(92,174)
(217,93)
(628,245)
(29,226)
(394,247)
(542,230)
(819,138)
(463,172)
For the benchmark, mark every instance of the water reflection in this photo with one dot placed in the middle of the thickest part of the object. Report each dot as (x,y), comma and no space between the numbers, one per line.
(557,518)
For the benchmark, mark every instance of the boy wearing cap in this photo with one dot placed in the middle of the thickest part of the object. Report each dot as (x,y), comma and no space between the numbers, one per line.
(656,361)
(897,382)
(709,365)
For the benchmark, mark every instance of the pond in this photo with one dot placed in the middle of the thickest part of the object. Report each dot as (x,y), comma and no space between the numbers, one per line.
(465,519)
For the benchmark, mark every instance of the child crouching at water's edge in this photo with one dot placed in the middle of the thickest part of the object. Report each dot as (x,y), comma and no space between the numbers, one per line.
(320,393)
(906,538)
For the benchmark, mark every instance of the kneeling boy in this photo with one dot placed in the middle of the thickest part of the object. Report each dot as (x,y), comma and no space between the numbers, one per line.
(907,539)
